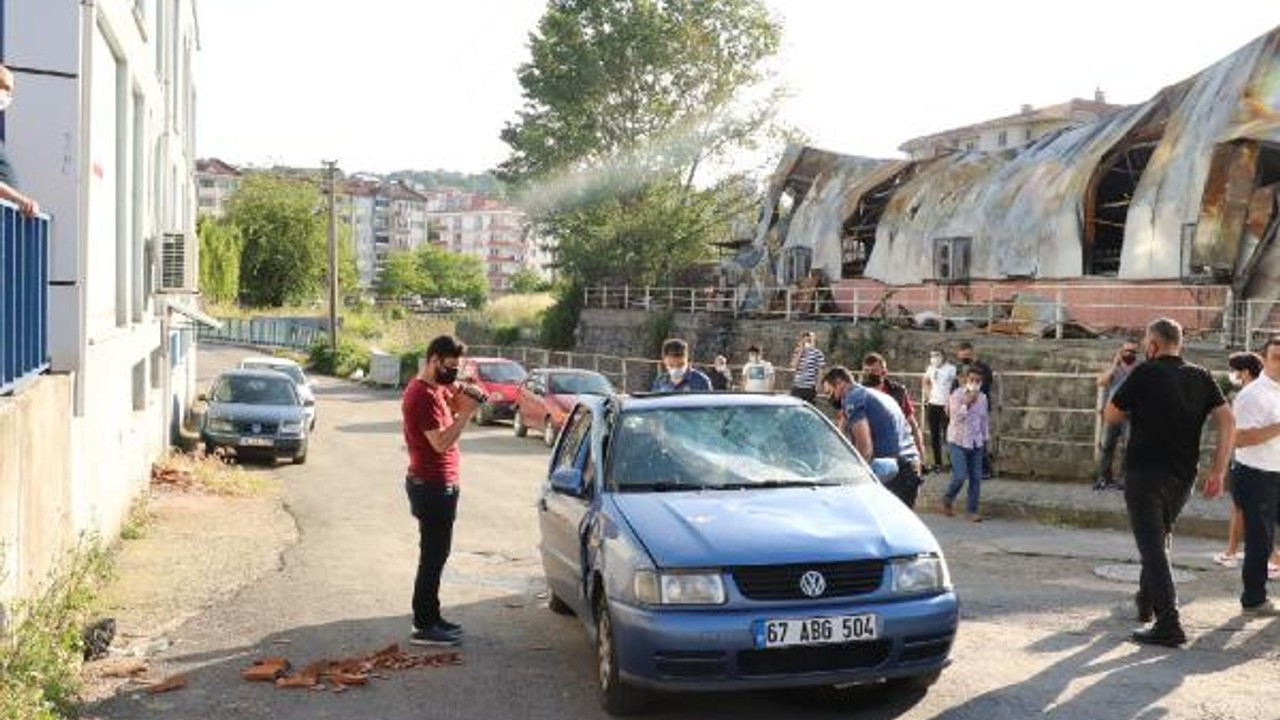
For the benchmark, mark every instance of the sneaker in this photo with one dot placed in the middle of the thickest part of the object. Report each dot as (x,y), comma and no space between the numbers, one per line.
(1266,608)
(975,517)
(947,509)
(1227,560)
(452,627)
(434,635)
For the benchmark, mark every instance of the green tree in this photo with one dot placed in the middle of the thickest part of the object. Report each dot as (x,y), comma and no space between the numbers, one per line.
(624,104)
(452,275)
(527,281)
(400,275)
(348,270)
(284,230)
(220,248)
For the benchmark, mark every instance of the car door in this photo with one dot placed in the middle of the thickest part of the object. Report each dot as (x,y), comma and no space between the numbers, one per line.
(538,410)
(560,515)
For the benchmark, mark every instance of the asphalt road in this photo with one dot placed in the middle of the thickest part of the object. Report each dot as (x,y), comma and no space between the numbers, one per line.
(1042,634)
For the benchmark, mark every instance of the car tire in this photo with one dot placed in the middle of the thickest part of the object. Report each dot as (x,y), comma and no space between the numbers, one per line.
(915,683)
(548,432)
(518,426)
(558,606)
(484,415)
(616,696)
(301,458)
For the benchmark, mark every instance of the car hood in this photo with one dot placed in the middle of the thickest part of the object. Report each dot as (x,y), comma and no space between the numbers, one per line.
(254,413)
(773,526)
(500,391)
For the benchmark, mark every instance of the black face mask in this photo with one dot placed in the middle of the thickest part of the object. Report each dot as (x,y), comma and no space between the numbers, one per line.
(446,375)
(1129,358)
(872,380)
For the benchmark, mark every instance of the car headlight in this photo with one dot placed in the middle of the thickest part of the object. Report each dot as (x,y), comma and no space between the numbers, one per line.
(679,588)
(221,425)
(920,574)
(291,427)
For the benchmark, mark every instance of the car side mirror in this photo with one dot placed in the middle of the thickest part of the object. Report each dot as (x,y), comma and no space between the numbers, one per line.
(885,469)
(568,481)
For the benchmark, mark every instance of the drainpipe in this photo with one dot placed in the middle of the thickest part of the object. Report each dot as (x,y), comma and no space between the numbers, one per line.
(88,25)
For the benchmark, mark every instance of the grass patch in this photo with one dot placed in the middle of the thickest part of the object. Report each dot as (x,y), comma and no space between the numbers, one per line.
(139,520)
(211,474)
(41,650)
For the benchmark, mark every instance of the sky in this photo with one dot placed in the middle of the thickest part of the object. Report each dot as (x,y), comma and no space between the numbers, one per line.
(382,85)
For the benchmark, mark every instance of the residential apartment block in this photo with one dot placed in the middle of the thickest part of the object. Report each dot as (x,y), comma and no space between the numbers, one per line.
(102,134)
(216,181)
(1011,131)
(496,233)
(383,217)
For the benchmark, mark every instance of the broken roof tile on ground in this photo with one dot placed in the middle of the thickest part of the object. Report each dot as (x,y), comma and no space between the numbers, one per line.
(339,675)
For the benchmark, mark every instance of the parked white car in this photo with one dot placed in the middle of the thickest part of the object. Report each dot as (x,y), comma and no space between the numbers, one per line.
(295,373)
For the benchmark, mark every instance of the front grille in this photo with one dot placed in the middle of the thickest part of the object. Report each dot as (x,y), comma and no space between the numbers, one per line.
(782,582)
(246,428)
(691,664)
(927,647)
(821,658)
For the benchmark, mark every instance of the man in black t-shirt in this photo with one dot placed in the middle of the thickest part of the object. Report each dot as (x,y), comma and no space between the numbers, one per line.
(1166,402)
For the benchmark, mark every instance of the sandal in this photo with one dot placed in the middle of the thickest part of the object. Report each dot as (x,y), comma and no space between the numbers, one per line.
(1227,560)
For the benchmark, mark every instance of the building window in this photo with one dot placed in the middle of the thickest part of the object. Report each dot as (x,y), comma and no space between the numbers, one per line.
(951,259)
(140,385)
(970,145)
(1028,134)
(1003,138)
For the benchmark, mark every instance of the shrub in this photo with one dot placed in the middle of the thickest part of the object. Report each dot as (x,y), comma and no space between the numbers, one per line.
(560,322)
(346,360)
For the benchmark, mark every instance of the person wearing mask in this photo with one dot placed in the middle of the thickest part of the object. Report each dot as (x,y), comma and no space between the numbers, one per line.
(436,409)
(1166,401)
(1109,381)
(1255,478)
(720,375)
(938,380)
(806,362)
(678,375)
(967,434)
(966,359)
(1245,368)
(757,374)
(8,178)
(875,375)
(878,429)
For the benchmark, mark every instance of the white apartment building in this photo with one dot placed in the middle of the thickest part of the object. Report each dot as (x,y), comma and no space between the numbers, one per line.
(102,133)
(383,217)
(1011,131)
(215,182)
(491,231)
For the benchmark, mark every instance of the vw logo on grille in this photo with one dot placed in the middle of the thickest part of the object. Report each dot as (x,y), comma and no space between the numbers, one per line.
(813,584)
(256,428)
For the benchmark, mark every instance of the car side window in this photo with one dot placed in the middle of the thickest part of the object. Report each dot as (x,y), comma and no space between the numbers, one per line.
(579,431)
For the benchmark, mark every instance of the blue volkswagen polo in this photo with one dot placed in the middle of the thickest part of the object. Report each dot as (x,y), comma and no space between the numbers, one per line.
(724,541)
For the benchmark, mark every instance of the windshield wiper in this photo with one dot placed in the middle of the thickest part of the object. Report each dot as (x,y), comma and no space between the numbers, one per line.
(769,484)
(659,486)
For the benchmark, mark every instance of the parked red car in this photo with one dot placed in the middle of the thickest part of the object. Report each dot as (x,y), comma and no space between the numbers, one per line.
(548,395)
(500,378)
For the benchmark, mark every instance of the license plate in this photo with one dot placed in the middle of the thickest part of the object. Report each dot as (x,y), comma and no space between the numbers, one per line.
(257,442)
(815,631)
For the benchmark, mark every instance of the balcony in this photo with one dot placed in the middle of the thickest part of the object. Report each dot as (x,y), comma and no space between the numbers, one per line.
(24,297)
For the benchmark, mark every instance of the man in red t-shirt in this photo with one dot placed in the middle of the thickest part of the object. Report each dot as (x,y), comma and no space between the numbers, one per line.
(436,410)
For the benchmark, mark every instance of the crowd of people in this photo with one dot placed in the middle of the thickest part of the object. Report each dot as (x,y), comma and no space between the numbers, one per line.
(874,409)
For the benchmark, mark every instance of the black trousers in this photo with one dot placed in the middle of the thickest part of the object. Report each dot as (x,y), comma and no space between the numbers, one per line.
(435,505)
(1257,494)
(936,416)
(1154,500)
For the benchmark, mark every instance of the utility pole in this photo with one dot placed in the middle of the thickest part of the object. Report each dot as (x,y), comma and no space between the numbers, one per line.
(331,168)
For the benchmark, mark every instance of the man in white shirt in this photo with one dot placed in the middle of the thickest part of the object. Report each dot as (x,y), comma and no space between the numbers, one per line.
(1255,479)
(757,374)
(939,377)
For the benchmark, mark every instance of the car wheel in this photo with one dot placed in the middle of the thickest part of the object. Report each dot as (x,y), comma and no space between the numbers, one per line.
(558,606)
(301,457)
(617,697)
(484,416)
(548,432)
(517,423)
(915,683)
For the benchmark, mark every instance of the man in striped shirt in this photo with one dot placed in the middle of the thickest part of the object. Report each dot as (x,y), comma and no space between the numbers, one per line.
(807,362)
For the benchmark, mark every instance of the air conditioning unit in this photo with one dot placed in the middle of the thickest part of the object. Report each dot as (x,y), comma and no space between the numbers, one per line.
(177,264)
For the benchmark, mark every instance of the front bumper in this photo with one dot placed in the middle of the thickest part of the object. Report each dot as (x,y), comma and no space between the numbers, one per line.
(501,409)
(714,649)
(281,446)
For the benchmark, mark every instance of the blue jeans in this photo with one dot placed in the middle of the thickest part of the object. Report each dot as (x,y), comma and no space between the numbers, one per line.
(966,464)
(1257,494)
